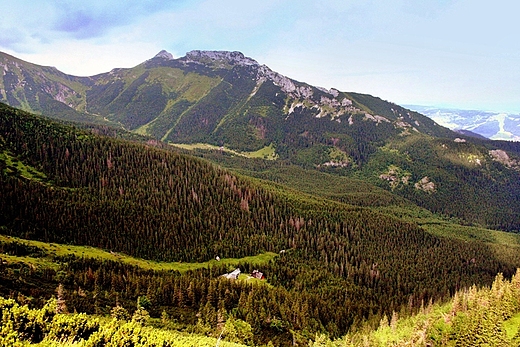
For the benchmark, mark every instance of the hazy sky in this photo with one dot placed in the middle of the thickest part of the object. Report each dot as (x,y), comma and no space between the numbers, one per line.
(458,53)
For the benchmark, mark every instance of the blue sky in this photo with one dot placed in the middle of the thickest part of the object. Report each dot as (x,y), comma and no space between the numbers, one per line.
(454,53)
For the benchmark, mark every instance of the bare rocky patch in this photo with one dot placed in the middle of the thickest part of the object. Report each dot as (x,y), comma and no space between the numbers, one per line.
(426,185)
(502,157)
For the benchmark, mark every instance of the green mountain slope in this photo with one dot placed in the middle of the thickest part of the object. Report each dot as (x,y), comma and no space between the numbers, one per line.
(216,97)
(230,101)
(476,182)
(61,184)
(45,90)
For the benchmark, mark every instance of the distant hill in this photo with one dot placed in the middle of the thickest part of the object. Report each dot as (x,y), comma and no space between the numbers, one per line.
(470,134)
(492,125)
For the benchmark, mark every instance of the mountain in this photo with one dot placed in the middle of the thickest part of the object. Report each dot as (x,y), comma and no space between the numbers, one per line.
(492,125)
(45,90)
(223,98)
(355,209)
(235,106)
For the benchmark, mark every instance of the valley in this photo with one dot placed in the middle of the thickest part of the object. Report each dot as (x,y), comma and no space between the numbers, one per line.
(360,214)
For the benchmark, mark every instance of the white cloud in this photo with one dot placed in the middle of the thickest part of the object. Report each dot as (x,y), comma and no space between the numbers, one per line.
(87,58)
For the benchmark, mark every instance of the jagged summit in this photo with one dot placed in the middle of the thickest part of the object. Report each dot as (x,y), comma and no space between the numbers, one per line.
(233,58)
(164,55)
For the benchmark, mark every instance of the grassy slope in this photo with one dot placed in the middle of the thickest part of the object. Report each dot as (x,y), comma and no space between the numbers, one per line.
(55,249)
(177,84)
(267,152)
(13,165)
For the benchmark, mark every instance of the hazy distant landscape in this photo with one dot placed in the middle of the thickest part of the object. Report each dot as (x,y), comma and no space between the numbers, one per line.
(492,125)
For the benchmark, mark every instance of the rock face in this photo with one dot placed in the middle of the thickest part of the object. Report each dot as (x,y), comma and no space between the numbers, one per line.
(426,185)
(502,157)
(233,58)
(320,101)
(164,55)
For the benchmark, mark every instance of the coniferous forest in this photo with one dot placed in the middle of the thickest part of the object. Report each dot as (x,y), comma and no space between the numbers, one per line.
(337,268)
(474,317)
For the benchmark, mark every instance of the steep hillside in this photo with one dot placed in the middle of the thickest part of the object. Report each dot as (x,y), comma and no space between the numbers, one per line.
(474,317)
(227,99)
(476,181)
(61,184)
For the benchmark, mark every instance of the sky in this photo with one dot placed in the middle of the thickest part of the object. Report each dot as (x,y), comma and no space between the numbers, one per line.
(446,53)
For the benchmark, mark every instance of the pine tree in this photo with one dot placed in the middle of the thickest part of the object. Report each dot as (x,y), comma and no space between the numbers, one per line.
(394,320)
(61,306)
(119,313)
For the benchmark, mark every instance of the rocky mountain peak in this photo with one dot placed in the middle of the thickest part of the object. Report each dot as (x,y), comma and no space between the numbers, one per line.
(226,57)
(164,55)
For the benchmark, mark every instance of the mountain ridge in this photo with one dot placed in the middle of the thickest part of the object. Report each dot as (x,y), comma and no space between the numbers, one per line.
(332,102)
